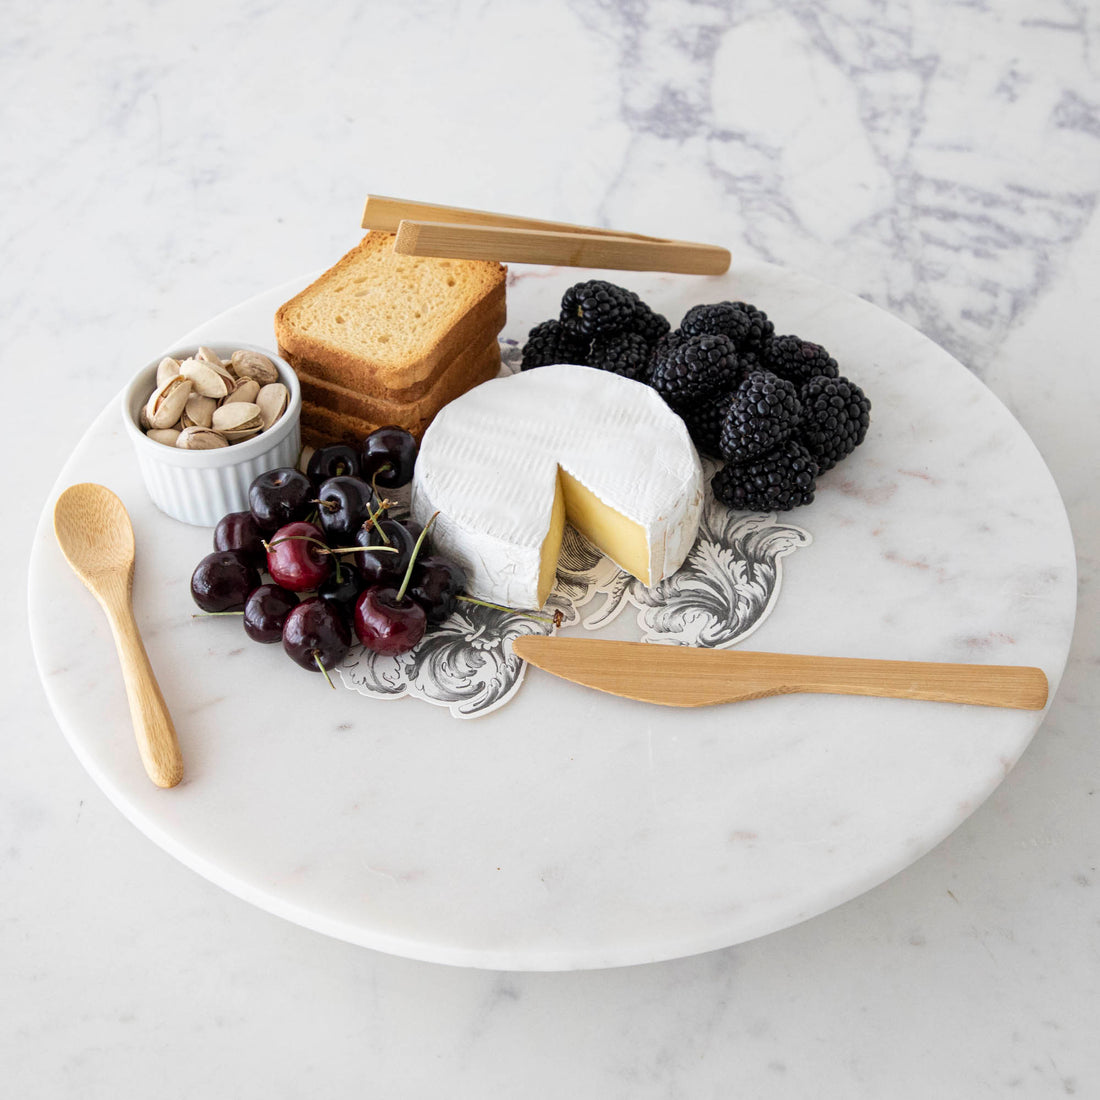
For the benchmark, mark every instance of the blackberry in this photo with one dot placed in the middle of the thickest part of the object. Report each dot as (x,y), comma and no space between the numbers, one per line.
(764,413)
(797,360)
(704,423)
(653,326)
(691,371)
(835,417)
(747,326)
(598,306)
(775,482)
(625,353)
(550,342)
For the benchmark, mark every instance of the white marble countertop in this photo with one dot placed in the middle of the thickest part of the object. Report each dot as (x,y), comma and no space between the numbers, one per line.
(161,163)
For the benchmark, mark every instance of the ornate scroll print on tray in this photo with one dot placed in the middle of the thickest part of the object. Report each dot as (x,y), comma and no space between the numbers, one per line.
(724,591)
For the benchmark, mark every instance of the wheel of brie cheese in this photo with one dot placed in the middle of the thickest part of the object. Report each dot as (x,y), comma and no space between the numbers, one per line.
(509,463)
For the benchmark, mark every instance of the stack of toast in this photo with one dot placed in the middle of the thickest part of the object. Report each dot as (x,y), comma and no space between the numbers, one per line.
(382,338)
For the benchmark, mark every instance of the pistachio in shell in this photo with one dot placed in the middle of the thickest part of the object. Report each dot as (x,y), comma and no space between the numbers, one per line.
(238,416)
(167,403)
(167,368)
(167,436)
(200,439)
(272,401)
(199,411)
(206,380)
(252,364)
(209,355)
(244,389)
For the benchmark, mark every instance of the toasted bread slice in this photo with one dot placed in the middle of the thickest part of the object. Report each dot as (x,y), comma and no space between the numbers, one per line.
(380,323)
(469,370)
(368,383)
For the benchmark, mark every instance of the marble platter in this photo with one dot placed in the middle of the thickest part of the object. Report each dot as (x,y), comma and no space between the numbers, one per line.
(569,829)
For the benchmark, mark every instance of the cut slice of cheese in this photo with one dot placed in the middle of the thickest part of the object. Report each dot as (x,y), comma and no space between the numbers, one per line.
(507,464)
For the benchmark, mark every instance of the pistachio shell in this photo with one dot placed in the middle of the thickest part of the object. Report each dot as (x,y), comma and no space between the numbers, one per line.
(251,364)
(168,368)
(206,380)
(244,389)
(272,400)
(167,436)
(199,411)
(200,439)
(241,436)
(209,355)
(168,401)
(237,416)
(143,418)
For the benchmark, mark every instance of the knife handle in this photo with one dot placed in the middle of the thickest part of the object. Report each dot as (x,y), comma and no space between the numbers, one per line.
(983,685)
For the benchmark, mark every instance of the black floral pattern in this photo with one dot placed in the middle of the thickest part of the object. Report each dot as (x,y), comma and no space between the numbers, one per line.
(724,591)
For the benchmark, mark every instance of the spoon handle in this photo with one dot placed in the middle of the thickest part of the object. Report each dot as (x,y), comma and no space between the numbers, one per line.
(156,736)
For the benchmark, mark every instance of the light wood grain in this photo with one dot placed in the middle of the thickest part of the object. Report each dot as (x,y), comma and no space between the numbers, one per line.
(386,214)
(683,676)
(559,249)
(96,537)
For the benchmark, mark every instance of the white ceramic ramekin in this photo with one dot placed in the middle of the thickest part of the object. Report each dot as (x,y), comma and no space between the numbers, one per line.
(200,487)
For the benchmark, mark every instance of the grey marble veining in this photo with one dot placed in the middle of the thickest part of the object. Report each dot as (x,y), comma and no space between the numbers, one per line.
(163,162)
(834,132)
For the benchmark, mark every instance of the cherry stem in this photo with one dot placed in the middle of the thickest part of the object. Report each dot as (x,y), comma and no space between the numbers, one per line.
(381,470)
(296,538)
(326,505)
(360,549)
(324,671)
(412,560)
(324,546)
(556,620)
(211,614)
(372,517)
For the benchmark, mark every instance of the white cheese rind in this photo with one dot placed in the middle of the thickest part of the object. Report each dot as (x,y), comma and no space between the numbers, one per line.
(489,461)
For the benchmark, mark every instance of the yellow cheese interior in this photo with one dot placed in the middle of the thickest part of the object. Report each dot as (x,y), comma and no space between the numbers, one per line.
(551,545)
(621,539)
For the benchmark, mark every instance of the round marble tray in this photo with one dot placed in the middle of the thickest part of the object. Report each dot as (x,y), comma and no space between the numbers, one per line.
(569,829)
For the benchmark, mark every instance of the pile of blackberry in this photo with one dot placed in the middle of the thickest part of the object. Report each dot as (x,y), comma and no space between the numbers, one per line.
(775,409)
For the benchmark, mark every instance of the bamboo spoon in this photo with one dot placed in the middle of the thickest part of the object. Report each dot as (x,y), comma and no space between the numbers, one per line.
(686,676)
(96,537)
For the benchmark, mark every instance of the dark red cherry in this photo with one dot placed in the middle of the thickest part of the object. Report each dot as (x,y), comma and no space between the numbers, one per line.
(385,565)
(296,557)
(280,496)
(388,457)
(222,581)
(335,460)
(343,587)
(387,625)
(265,612)
(435,585)
(344,503)
(314,632)
(239,531)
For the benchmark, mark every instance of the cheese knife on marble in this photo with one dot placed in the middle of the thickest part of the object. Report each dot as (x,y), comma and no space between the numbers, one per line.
(687,676)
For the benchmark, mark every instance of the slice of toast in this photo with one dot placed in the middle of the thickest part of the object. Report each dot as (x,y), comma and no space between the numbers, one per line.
(468,370)
(382,323)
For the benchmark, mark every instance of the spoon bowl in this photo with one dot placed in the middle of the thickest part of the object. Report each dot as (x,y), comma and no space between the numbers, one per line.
(94,532)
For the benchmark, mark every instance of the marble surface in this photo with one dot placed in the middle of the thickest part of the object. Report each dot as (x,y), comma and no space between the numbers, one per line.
(937,158)
(571,830)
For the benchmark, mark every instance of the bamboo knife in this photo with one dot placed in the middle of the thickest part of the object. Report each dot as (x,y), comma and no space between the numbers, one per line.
(687,676)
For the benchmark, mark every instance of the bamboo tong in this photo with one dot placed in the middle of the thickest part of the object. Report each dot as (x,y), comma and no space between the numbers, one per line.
(425,229)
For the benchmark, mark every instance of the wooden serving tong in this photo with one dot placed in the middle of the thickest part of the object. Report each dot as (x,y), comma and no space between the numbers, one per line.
(425,229)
